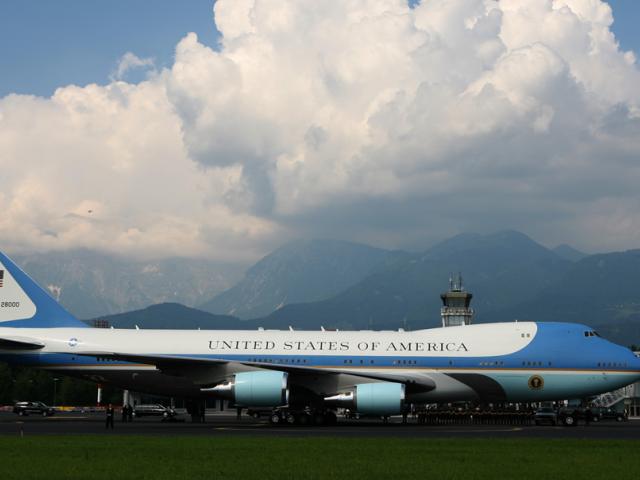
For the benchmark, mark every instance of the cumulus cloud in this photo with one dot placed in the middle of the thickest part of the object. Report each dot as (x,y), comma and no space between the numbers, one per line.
(128,62)
(368,120)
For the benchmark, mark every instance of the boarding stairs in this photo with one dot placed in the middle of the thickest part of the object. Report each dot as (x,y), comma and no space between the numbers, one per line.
(609,399)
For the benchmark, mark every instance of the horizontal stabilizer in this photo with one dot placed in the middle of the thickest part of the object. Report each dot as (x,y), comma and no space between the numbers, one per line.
(19,343)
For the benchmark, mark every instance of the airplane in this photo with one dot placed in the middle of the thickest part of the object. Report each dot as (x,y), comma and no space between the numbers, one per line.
(369,372)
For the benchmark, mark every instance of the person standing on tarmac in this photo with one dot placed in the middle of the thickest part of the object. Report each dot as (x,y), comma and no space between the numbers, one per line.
(109,418)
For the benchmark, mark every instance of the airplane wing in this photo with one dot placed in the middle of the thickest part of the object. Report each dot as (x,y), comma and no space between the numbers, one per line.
(20,343)
(183,364)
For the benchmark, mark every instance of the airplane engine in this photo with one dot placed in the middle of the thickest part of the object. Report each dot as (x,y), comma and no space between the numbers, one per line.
(255,389)
(383,398)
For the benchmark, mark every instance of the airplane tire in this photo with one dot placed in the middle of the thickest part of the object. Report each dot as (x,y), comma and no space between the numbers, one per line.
(569,421)
(291,419)
(275,418)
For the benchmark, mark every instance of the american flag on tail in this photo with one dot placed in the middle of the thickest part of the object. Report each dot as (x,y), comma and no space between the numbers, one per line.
(1,277)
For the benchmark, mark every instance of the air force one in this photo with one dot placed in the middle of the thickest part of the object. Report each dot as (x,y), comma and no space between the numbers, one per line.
(369,372)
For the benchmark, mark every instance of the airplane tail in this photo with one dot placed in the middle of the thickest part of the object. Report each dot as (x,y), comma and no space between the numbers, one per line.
(25,304)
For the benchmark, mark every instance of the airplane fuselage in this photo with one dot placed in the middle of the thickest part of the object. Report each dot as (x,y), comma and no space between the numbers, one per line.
(519,361)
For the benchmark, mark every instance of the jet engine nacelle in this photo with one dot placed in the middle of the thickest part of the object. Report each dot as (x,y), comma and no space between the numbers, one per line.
(254,389)
(383,398)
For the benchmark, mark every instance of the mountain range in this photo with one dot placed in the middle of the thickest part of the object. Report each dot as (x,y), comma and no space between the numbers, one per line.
(334,284)
(90,284)
(301,271)
(502,270)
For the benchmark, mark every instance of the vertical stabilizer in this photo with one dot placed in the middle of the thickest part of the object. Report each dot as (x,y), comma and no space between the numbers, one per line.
(24,304)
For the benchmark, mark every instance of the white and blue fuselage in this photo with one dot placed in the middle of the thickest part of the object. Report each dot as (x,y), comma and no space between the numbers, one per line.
(499,362)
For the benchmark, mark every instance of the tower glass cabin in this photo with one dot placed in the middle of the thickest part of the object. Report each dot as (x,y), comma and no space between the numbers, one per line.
(455,304)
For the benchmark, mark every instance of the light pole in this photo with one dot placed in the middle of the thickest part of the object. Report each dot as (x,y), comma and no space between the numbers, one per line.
(55,384)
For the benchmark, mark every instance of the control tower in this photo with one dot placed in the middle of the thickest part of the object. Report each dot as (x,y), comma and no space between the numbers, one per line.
(455,304)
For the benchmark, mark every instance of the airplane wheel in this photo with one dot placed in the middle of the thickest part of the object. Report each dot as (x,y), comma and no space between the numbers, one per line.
(569,421)
(44,414)
(318,419)
(291,419)
(275,418)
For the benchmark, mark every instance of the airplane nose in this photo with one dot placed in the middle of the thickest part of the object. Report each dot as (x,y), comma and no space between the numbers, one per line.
(636,361)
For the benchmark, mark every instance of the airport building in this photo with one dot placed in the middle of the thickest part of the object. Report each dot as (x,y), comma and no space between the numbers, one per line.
(456,309)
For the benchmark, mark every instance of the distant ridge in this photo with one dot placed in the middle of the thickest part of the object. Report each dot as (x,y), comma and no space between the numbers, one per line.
(90,283)
(170,316)
(301,271)
(569,253)
(511,277)
(501,269)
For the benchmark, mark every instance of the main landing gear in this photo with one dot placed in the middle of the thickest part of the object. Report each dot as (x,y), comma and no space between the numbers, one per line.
(286,416)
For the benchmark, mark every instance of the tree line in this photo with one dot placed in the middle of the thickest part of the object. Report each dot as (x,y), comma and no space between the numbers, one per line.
(31,384)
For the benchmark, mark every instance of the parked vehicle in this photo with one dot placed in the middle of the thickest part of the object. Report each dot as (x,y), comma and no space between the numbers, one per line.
(570,416)
(33,408)
(153,410)
(609,414)
(545,415)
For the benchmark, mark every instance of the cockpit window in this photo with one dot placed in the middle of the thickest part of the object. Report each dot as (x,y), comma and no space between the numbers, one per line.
(591,333)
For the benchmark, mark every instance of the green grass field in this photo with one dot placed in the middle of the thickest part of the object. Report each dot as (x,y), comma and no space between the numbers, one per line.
(115,457)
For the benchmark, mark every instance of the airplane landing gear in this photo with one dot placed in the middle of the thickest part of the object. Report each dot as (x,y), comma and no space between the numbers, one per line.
(282,416)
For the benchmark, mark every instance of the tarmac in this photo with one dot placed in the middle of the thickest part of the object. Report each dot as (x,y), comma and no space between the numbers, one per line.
(226,424)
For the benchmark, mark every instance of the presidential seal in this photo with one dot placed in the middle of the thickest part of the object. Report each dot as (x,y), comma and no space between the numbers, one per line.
(536,382)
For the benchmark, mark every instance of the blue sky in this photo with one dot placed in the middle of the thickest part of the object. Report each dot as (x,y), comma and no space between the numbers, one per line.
(45,44)
(314,127)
